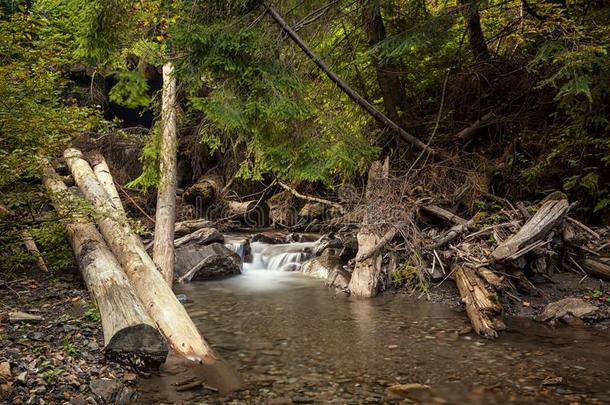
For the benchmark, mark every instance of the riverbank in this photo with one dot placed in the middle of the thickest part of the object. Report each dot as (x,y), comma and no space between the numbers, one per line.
(57,356)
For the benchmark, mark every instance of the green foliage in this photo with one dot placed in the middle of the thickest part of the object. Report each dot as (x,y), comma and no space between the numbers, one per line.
(131,90)
(92,314)
(69,347)
(150,162)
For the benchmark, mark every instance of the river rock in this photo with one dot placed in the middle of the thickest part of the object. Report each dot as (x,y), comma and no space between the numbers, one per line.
(567,307)
(339,279)
(272,238)
(411,391)
(323,265)
(209,262)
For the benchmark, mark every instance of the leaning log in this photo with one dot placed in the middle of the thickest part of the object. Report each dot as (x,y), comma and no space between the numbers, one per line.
(550,213)
(596,268)
(32,249)
(129,332)
(481,305)
(150,286)
(254,214)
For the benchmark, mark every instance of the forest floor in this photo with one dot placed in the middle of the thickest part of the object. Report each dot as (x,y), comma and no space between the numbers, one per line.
(58,359)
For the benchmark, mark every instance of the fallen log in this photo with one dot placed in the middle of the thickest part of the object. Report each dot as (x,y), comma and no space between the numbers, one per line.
(481,306)
(311,198)
(102,173)
(460,226)
(535,229)
(129,332)
(596,268)
(157,296)
(255,213)
(204,192)
(190,226)
(32,249)
(201,236)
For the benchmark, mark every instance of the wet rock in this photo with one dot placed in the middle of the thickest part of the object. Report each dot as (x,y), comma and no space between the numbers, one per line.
(575,307)
(203,236)
(182,298)
(106,389)
(323,265)
(214,261)
(339,279)
(272,238)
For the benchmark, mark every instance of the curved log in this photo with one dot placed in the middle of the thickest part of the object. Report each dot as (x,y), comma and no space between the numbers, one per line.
(163,307)
(128,329)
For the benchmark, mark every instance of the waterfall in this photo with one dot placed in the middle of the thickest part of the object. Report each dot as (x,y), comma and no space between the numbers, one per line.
(282,257)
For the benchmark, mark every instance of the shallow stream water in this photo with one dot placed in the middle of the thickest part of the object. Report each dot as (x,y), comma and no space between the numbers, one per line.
(291,339)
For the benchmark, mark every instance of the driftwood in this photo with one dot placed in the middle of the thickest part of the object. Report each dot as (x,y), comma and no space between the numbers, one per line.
(201,236)
(32,249)
(538,227)
(255,213)
(186,227)
(481,306)
(157,296)
(129,332)
(460,226)
(18,316)
(596,268)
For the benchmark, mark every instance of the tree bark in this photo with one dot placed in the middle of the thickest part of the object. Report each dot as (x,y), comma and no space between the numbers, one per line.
(357,98)
(388,76)
(165,215)
(128,329)
(470,11)
(156,295)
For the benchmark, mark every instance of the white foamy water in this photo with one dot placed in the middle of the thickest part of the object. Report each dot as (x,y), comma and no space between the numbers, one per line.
(282,257)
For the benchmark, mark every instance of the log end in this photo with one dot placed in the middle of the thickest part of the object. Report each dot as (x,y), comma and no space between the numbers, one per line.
(141,345)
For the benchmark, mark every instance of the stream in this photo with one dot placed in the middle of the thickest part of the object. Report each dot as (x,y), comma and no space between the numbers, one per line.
(293,340)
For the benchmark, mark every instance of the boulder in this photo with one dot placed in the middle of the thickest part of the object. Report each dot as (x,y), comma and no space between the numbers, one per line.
(339,279)
(208,262)
(568,308)
(272,238)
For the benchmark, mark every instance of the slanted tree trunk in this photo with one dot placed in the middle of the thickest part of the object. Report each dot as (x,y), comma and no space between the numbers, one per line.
(388,76)
(351,93)
(129,332)
(32,249)
(470,11)
(154,292)
(165,215)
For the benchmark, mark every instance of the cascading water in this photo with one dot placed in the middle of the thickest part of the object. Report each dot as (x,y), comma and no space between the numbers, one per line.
(281,257)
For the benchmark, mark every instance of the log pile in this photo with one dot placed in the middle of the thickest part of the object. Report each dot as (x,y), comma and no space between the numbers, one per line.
(489,261)
(140,313)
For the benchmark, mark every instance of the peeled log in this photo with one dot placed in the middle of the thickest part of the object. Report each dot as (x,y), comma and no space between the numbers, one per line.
(156,295)
(129,332)
(102,173)
(254,214)
(481,305)
(551,211)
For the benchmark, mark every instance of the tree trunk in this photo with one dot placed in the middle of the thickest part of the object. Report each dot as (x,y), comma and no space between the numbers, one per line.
(128,329)
(102,173)
(253,214)
(597,268)
(32,249)
(157,296)
(165,215)
(388,76)
(357,98)
(470,11)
